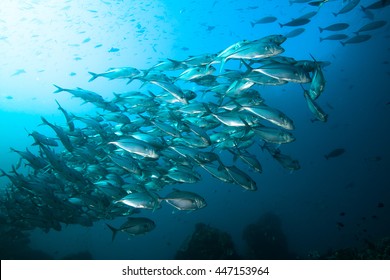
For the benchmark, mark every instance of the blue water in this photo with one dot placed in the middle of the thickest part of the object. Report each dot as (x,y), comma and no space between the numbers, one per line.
(58,42)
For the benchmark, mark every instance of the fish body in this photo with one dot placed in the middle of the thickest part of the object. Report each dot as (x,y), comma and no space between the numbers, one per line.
(335,153)
(184,200)
(138,147)
(348,7)
(116,73)
(133,226)
(334,27)
(356,39)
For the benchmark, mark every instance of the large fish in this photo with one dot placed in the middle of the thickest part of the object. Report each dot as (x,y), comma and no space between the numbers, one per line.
(184,200)
(133,226)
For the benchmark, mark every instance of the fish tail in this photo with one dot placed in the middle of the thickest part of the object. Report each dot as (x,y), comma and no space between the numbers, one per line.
(327,157)
(252,24)
(59,89)
(342,43)
(321,39)
(363,8)
(335,14)
(281,25)
(321,29)
(94,76)
(114,231)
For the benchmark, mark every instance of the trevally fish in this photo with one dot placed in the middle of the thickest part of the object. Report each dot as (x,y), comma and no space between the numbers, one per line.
(133,226)
(184,200)
(136,146)
(116,73)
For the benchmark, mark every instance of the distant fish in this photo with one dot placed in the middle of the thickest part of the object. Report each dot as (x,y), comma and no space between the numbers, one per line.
(18,72)
(342,214)
(348,7)
(335,27)
(295,32)
(377,5)
(263,20)
(340,225)
(98,46)
(318,3)
(308,15)
(334,37)
(296,22)
(72,74)
(335,153)
(114,50)
(298,1)
(357,39)
(9,97)
(86,40)
(372,26)
(381,205)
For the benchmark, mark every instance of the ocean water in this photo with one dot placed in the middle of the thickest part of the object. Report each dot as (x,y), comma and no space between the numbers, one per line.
(328,204)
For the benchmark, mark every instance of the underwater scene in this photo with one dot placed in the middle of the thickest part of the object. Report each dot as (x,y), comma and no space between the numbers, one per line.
(195,129)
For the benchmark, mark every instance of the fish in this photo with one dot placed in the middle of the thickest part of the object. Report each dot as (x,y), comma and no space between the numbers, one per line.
(134,226)
(138,147)
(18,72)
(185,119)
(348,7)
(335,153)
(113,50)
(334,27)
(318,113)
(318,3)
(296,22)
(371,26)
(376,5)
(356,39)
(268,19)
(295,32)
(116,73)
(185,201)
(337,37)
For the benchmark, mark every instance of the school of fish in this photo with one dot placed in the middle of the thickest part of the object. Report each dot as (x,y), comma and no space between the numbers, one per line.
(117,162)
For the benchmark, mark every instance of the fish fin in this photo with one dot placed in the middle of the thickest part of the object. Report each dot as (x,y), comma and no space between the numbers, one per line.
(281,25)
(59,89)
(94,76)
(253,24)
(114,231)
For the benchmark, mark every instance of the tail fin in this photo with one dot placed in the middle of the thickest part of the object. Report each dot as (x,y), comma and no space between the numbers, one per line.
(321,29)
(335,14)
(253,24)
(59,89)
(114,231)
(281,25)
(94,76)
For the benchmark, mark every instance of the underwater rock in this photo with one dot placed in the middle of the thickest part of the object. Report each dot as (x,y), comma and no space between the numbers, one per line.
(208,243)
(266,240)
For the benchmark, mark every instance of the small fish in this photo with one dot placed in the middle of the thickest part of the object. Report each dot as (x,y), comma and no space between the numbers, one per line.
(318,3)
(114,50)
(9,97)
(342,214)
(348,7)
(18,72)
(372,26)
(98,46)
(334,37)
(295,32)
(86,40)
(357,39)
(334,27)
(381,205)
(296,22)
(263,20)
(340,225)
(335,153)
